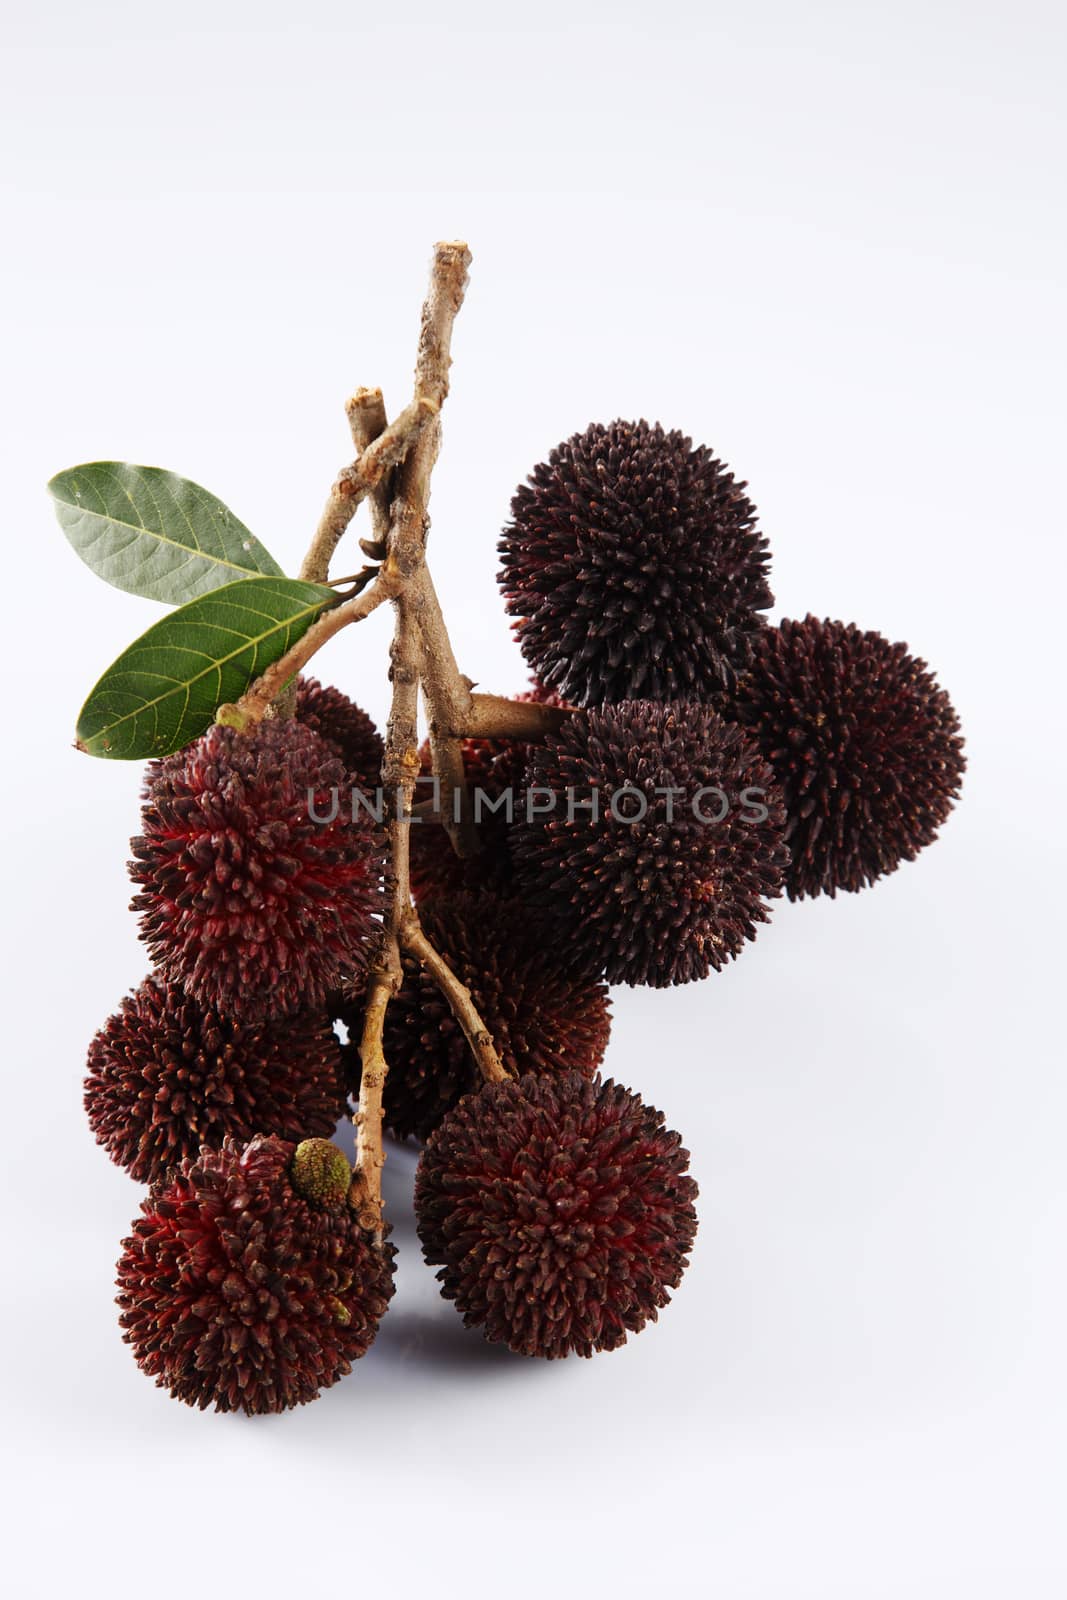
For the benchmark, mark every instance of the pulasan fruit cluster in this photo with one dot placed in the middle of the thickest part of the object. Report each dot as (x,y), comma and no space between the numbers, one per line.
(557,1206)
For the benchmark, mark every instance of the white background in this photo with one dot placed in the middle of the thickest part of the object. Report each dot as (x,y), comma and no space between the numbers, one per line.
(827,240)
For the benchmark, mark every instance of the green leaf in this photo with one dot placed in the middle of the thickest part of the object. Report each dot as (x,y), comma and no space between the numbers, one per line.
(152,533)
(163,691)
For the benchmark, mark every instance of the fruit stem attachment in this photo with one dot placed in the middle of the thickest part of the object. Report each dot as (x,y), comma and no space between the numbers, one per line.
(459,999)
(257,701)
(491,716)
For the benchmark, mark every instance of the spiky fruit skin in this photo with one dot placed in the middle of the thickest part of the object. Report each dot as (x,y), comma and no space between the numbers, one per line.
(493,766)
(546,1015)
(167,1076)
(864,743)
(665,899)
(251,905)
(560,1212)
(237,1292)
(345,727)
(634,567)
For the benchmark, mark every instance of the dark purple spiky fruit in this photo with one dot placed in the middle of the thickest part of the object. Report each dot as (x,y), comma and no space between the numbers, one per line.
(167,1076)
(494,767)
(254,907)
(634,567)
(559,1210)
(864,743)
(238,1291)
(545,1015)
(345,727)
(666,898)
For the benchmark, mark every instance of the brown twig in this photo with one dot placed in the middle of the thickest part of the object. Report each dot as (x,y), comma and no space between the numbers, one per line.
(357,581)
(257,701)
(355,482)
(459,999)
(410,520)
(440,675)
(447,694)
(394,467)
(412,438)
(400,768)
(447,288)
(446,691)
(405,566)
(367,420)
(491,716)
(365,1194)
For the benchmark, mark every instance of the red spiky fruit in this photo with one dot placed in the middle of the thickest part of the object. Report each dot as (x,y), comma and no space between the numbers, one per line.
(495,768)
(167,1076)
(247,900)
(545,1014)
(238,1291)
(634,567)
(559,1210)
(344,726)
(864,744)
(669,877)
